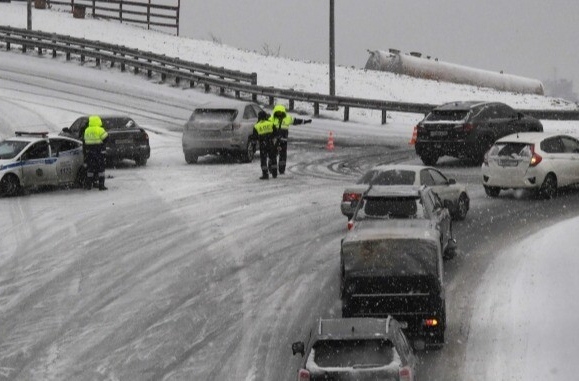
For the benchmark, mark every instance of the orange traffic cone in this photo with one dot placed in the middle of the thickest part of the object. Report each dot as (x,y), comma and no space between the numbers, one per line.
(330,145)
(414,136)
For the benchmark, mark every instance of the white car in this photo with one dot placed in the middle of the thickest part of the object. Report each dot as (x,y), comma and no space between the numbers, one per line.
(542,162)
(407,174)
(32,159)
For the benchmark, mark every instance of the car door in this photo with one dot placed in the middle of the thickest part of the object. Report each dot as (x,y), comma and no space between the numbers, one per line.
(556,158)
(570,159)
(38,167)
(440,215)
(439,184)
(69,158)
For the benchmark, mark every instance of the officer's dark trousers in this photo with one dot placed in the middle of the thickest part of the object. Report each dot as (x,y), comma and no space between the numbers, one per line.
(282,143)
(268,157)
(95,162)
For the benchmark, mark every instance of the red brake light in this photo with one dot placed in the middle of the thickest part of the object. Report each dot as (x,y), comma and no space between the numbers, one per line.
(303,375)
(350,225)
(348,197)
(431,322)
(405,374)
(535,157)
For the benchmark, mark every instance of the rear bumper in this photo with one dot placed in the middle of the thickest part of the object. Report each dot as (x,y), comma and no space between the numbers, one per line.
(128,152)
(211,146)
(496,178)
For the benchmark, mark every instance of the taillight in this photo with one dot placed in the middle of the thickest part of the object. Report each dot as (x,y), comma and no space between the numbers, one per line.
(486,159)
(431,322)
(303,375)
(235,126)
(535,157)
(467,127)
(405,374)
(348,197)
(144,134)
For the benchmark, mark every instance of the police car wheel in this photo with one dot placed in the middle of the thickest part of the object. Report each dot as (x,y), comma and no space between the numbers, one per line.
(9,185)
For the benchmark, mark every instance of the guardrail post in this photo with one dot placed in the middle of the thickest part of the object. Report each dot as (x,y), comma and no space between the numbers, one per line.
(346,113)
(254,97)
(271,100)
(177,80)
(39,48)
(149,71)
(254,79)
(53,49)
(163,77)
(291,105)
(237,94)
(316,109)
(383,116)
(67,52)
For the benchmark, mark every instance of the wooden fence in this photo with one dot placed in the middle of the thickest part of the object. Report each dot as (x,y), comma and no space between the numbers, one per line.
(149,12)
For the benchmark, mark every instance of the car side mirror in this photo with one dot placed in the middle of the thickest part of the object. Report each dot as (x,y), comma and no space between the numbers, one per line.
(451,181)
(299,347)
(66,130)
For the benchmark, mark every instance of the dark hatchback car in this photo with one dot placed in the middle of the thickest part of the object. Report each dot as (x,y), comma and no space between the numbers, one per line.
(468,129)
(127,140)
(356,349)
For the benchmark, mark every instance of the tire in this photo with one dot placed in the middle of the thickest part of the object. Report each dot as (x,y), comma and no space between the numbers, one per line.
(9,185)
(429,158)
(462,207)
(141,161)
(492,191)
(548,189)
(249,152)
(191,158)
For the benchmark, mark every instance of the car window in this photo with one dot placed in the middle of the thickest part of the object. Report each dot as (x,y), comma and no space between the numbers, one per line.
(447,115)
(62,145)
(552,145)
(368,176)
(9,149)
(426,178)
(256,108)
(510,150)
(438,178)
(353,353)
(213,115)
(38,150)
(118,123)
(394,177)
(249,113)
(392,207)
(570,145)
(78,124)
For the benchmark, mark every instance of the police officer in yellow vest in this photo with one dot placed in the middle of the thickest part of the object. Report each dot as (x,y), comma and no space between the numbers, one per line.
(95,137)
(282,120)
(264,133)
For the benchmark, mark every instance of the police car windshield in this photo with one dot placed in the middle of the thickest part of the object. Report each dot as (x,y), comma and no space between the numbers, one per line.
(10,148)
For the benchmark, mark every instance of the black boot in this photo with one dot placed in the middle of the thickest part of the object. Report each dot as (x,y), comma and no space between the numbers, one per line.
(88,183)
(274,173)
(102,184)
(264,176)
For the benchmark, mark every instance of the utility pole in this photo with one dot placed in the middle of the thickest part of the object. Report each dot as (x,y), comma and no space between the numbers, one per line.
(332,57)
(29,15)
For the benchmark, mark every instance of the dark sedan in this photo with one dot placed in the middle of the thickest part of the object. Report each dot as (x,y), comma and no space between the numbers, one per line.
(127,140)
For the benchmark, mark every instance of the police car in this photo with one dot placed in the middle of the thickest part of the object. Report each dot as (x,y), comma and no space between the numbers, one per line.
(32,159)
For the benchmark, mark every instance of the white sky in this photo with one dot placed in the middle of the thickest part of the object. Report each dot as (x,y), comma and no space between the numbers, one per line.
(524,320)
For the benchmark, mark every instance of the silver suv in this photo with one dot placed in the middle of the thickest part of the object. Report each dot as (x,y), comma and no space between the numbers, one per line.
(222,128)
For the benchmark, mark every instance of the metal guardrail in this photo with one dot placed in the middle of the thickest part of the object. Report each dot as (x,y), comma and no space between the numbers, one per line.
(213,77)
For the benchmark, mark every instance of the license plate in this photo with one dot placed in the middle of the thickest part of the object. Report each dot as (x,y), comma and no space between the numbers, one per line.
(508,163)
(124,141)
(438,133)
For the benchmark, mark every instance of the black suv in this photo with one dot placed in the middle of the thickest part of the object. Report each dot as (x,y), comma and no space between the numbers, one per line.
(468,129)
(127,140)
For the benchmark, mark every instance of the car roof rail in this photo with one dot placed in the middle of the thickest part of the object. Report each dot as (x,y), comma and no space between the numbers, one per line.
(23,133)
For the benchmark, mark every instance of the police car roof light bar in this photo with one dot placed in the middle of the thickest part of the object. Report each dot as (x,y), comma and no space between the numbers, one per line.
(21,133)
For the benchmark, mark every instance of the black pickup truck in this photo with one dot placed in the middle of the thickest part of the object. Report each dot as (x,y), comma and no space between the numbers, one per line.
(127,140)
